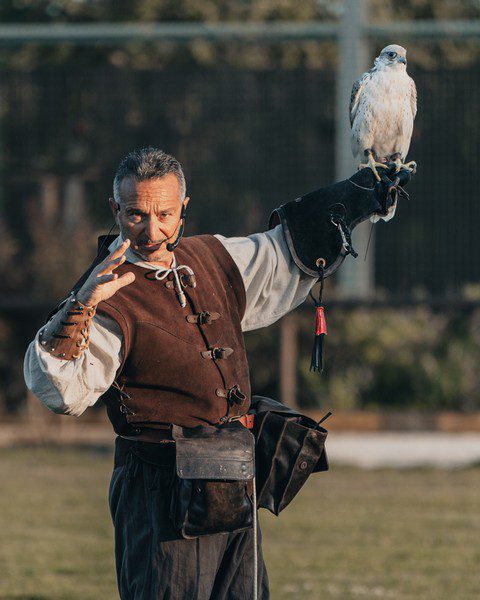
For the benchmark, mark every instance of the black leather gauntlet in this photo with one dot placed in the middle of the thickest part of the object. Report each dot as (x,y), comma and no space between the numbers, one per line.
(319,225)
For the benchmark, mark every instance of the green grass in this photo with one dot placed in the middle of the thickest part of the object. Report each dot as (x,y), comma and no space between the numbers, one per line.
(350,534)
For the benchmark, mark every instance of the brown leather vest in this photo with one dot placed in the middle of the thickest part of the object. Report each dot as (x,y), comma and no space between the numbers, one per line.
(185,366)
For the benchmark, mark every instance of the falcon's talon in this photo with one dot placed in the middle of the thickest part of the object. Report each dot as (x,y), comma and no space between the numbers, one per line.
(374,165)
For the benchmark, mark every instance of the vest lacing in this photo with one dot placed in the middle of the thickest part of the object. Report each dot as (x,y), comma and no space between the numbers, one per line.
(162,273)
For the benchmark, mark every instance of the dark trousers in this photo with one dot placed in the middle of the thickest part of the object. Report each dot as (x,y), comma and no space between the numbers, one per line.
(154,563)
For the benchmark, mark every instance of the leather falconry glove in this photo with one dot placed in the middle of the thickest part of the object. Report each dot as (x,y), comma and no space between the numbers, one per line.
(319,224)
(66,334)
(318,228)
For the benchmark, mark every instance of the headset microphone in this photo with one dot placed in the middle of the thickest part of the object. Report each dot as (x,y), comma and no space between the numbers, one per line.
(171,246)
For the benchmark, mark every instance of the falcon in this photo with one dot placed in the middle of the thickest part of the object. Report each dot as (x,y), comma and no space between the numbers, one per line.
(383,106)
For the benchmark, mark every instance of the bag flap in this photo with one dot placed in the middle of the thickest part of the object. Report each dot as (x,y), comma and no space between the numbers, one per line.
(218,453)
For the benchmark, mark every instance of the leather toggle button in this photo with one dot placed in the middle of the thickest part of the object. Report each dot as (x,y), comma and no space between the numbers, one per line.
(217,353)
(235,396)
(188,280)
(204,317)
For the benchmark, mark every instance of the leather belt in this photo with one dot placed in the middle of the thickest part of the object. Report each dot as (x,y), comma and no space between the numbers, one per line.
(163,436)
(155,436)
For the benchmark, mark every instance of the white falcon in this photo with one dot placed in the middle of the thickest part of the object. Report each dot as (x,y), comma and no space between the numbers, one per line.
(383,106)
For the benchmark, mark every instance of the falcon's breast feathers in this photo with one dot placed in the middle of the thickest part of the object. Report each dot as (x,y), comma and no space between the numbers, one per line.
(357,90)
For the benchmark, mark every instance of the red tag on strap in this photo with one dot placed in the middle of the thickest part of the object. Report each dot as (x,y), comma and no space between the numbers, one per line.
(320,323)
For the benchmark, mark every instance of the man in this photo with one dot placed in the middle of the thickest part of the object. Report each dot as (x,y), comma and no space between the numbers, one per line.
(154,328)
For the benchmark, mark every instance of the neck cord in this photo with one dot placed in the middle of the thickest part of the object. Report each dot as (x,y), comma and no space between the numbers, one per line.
(162,273)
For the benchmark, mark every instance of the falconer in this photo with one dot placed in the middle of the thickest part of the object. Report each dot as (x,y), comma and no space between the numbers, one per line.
(154,328)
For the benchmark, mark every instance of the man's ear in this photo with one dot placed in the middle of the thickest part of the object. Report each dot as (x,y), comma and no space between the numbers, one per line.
(115,208)
(186,201)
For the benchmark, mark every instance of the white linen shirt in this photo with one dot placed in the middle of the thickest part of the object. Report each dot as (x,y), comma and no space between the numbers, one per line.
(274,285)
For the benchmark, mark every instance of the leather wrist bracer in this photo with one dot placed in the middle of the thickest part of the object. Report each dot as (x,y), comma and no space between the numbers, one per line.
(67,333)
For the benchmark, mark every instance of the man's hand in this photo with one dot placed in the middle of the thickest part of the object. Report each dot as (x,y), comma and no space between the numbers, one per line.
(102,283)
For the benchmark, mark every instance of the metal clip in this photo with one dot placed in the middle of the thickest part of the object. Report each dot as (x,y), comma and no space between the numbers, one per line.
(344,234)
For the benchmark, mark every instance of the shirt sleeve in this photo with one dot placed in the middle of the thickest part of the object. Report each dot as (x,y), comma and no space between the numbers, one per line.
(274,285)
(71,386)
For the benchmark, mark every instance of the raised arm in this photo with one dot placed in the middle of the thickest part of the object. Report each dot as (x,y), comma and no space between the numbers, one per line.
(74,358)
(274,285)
(279,266)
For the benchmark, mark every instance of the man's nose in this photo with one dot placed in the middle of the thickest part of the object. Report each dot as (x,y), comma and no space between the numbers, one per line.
(152,229)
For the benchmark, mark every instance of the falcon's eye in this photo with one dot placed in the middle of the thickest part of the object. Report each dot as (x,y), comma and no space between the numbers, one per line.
(392,55)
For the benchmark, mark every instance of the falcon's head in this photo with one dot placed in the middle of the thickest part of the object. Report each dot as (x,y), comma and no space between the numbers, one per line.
(392,56)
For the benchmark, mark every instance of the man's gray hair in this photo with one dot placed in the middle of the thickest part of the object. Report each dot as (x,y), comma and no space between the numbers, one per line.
(148,163)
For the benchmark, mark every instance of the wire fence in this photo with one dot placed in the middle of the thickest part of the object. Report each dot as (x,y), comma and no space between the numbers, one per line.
(248,141)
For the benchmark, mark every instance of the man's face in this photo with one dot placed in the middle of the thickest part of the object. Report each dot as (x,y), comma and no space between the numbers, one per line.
(149,215)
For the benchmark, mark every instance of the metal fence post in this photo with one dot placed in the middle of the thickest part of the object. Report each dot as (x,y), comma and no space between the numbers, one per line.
(356,277)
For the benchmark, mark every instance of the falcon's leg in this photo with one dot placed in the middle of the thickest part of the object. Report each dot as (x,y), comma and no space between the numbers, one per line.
(372,164)
(397,159)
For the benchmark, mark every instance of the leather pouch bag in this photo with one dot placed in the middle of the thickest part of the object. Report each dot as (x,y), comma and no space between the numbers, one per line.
(289,448)
(214,471)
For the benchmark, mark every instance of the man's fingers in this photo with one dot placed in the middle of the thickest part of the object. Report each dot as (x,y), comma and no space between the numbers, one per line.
(119,261)
(106,286)
(119,251)
(110,265)
(104,266)
(125,279)
(107,278)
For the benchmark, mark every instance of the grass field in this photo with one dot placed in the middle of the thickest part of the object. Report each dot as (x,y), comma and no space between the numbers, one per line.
(350,534)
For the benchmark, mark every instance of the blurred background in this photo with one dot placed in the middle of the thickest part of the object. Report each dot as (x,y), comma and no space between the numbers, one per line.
(252,98)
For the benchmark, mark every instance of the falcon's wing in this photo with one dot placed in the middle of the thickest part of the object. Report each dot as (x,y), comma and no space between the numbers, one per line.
(413,97)
(357,89)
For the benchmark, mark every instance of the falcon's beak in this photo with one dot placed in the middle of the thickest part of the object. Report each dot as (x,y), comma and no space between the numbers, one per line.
(402,59)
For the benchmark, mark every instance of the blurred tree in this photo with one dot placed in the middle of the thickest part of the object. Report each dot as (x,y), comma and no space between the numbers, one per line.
(391,359)
(242,117)
(258,56)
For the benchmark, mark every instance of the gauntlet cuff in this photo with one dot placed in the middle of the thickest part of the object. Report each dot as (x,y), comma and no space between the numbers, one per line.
(67,333)
(318,226)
